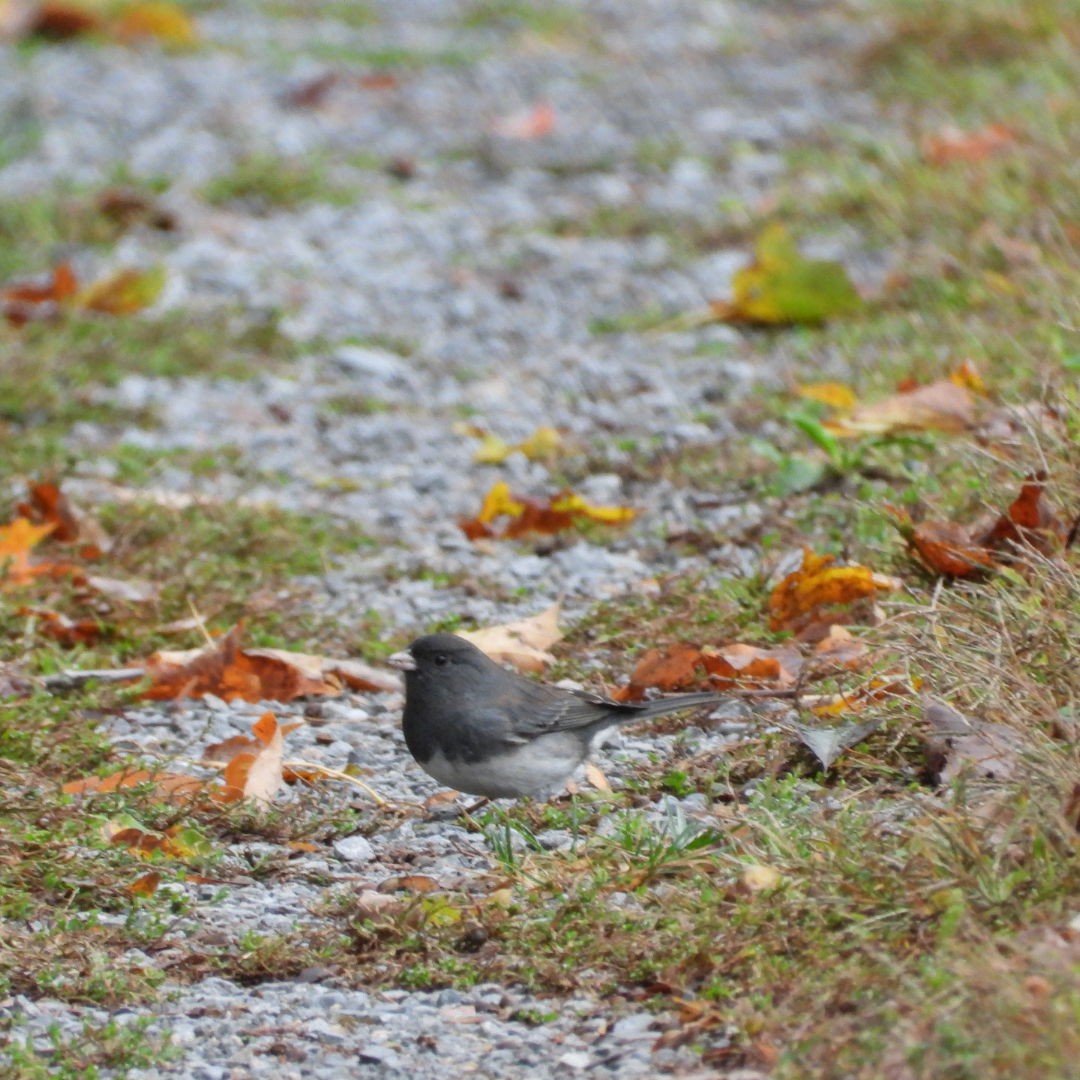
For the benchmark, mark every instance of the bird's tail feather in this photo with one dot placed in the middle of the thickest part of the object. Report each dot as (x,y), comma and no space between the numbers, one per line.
(680,701)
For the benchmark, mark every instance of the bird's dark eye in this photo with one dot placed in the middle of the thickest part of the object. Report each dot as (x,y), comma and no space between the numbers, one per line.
(441,659)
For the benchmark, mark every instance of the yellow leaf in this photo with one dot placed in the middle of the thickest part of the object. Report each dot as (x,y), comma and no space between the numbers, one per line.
(492,451)
(804,596)
(157,19)
(609,515)
(497,502)
(16,542)
(782,286)
(542,444)
(836,395)
(124,292)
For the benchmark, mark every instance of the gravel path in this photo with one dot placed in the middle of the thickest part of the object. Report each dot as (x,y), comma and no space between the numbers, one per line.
(458,293)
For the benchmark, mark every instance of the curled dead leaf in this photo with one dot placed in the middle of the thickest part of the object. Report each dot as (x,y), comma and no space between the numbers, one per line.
(524,643)
(524,516)
(820,593)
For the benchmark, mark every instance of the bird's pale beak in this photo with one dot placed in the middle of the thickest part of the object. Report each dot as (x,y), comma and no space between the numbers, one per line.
(403,661)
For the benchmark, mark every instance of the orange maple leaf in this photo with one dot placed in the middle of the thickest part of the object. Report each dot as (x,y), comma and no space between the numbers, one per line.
(17,540)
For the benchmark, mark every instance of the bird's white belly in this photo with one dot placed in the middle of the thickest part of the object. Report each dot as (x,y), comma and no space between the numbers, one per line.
(539,767)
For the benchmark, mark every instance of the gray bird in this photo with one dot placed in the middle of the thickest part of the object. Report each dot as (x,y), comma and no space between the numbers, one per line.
(478,728)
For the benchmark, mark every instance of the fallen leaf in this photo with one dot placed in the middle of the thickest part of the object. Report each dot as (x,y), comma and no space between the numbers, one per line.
(827,744)
(595,776)
(17,540)
(49,506)
(132,591)
(156,19)
(782,286)
(65,630)
(544,444)
(944,405)
(954,144)
(57,20)
(354,674)
(128,206)
(229,672)
(173,785)
(124,292)
(947,548)
(146,885)
(820,593)
(16,18)
(1028,521)
(533,123)
(880,688)
(257,775)
(957,550)
(959,745)
(744,665)
(840,649)
(22,302)
(177,842)
(370,903)
(524,516)
(524,643)
(836,395)
(312,93)
(666,668)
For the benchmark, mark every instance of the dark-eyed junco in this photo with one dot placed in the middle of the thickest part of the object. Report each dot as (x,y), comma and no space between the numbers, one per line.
(479,728)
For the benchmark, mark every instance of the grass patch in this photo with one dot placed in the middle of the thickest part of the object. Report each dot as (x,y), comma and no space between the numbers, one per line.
(551,21)
(687,237)
(266,182)
(392,57)
(36,233)
(351,13)
(54,373)
(113,1046)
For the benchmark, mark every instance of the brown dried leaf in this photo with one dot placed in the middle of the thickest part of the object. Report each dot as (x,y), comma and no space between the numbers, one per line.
(525,516)
(175,786)
(523,643)
(257,775)
(744,665)
(146,885)
(944,405)
(820,593)
(959,745)
(954,144)
(1028,521)
(229,672)
(947,548)
(667,668)
(840,649)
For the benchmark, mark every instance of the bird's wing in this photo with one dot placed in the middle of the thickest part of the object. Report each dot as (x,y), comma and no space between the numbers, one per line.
(542,709)
(539,709)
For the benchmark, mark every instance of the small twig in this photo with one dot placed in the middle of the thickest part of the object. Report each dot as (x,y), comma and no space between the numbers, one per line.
(322,770)
(72,680)
(197,616)
(337,774)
